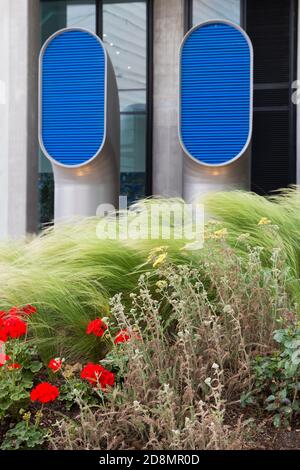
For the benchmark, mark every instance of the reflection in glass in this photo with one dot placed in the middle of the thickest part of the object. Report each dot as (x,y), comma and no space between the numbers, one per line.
(132,98)
(81,15)
(204,10)
(58,14)
(133,131)
(125,36)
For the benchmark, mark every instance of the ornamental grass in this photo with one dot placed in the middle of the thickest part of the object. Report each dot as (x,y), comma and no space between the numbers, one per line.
(70,274)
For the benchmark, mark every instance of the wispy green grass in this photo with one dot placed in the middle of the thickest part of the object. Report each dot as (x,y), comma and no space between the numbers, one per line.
(69,273)
(241,213)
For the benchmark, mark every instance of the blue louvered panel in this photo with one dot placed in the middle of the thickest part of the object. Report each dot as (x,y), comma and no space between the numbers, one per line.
(73,97)
(215,93)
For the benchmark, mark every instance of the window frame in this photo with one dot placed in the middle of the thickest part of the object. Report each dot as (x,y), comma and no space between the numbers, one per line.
(149,84)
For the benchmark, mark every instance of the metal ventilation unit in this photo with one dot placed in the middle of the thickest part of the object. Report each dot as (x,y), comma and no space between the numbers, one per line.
(79,124)
(216,107)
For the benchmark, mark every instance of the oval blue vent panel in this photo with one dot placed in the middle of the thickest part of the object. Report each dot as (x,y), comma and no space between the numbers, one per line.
(73,65)
(216,93)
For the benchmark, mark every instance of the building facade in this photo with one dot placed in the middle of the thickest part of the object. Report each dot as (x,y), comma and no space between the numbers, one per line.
(143,38)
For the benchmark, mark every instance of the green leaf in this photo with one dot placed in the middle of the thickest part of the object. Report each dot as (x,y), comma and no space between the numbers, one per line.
(282,394)
(270,398)
(272,407)
(4,405)
(296,357)
(277,421)
(294,344)
(279,335)
(35,366)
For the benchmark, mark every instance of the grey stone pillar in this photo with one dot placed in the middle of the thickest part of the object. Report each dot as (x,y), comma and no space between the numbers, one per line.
(19,48)
(167,154)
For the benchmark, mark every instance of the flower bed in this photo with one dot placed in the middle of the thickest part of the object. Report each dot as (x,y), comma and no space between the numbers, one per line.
(153,346)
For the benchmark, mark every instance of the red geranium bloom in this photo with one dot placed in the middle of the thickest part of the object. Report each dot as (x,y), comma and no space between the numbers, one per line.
(44,393)
(55,364)
(14,311)
(2,313)
(96,374)
(15,327)
(16,365)
(122,337)
(3,331)
(97,327)
(3,359)
(29,310)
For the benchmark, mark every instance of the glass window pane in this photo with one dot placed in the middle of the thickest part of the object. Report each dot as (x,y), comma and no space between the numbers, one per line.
(125,36)
(124,33)
(81,14)
(58,14)
(133,132)
(132,100)
(204,10)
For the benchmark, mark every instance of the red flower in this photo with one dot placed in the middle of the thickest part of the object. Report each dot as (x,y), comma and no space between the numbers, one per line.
(3,335)
(122,337)
(3,359)
(55,364)
(29,310)
(16,365)
(44,393)
(15,327)
(96,374)
(14,311)
(11,325)
(97,327)
(3,331)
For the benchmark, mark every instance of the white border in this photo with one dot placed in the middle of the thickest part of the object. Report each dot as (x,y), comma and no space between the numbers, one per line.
(236,26)
(43,49)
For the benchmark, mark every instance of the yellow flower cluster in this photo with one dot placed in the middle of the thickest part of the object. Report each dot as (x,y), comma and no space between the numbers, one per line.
(158,256)
(211,233)
(160,260)
(219,234)
(264,221)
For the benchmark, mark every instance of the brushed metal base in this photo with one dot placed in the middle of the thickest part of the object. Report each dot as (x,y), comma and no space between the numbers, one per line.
(199,179)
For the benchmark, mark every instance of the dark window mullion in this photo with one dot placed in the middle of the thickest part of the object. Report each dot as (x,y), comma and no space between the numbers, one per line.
(293,76)
(149,85)
(99,18)
(243,6)
(188,15)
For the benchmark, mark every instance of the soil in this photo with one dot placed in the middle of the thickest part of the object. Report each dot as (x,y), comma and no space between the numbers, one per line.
(261,434)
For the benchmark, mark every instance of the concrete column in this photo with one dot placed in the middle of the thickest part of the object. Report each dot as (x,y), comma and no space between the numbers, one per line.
(167,153)
(19,48)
